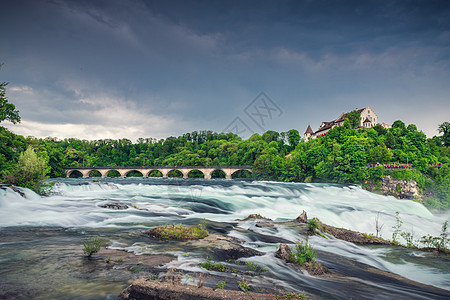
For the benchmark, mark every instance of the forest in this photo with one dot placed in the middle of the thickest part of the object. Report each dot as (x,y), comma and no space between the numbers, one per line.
(344,155)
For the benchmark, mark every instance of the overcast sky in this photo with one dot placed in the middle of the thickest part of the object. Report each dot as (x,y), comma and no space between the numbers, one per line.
(129,69)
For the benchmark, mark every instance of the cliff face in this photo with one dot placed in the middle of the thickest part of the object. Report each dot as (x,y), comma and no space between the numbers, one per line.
(401,188)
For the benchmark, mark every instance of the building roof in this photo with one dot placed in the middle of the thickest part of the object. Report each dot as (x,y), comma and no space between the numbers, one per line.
(367,121)
(309,130)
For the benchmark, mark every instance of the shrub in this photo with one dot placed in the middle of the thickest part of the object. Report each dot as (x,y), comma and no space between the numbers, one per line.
(315,225)
(91,245)
(304,252)
(243,285)
(221,284)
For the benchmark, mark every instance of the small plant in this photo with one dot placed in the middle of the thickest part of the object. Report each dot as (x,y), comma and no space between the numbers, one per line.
(243,285)
(444,237)
(91,245)
(120,259)
(214,266)
(409,238)
(315,226)
(304,252)
(221,284)
(440,242)
(201,280)
(153,277)
(136,269)
(108,260)
(396,227)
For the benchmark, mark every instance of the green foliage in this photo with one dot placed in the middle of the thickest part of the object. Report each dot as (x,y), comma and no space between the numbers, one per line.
(179,232)
(215,266)
(221,284)
(243,285)
(315,225)
(303,252)
(440,243)
(30,171)
(396,227)
(8,111)
(444,128)
(91,245)
(354,118)
(252,268)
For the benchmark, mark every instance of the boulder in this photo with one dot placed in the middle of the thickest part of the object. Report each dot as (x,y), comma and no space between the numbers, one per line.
(284,253)
(303,218)
(403,189)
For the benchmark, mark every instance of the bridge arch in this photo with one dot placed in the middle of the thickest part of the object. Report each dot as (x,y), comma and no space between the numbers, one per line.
(154,173)
(115,173)
(193,172)
(217,173)
(175,172)
(74,174)
(242,174)
(94,172)
(125,174)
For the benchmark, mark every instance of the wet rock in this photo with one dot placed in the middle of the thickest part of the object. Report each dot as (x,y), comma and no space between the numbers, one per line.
(255,216)
(354,236)
(284,253)
(401,188)
(152,289)
(264,224)
(115,206)
(222,247)
(303,218)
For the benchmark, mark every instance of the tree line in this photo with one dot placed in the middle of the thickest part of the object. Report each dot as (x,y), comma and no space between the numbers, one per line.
(340,156)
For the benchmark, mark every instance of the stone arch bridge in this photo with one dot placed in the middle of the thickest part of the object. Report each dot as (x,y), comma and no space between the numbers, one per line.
(145,171)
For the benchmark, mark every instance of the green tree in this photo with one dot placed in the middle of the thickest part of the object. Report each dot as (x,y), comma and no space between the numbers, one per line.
(294,138)
(444,128)
(8,111)
(30,172)
(354,117)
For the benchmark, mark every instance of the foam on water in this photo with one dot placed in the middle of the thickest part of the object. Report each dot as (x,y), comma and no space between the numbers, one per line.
(77,204)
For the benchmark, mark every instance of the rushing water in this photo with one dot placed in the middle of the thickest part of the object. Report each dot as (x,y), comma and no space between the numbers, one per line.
(40,237)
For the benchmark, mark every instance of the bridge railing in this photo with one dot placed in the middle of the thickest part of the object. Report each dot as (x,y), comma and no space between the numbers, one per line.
(158,167)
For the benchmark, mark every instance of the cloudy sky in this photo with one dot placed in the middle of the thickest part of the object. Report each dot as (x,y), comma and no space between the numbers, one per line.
(137,68)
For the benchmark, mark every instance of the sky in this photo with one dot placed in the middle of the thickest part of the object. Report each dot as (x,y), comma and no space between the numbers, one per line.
(154,69)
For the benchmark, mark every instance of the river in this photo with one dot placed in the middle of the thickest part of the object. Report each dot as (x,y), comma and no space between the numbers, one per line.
(41,251)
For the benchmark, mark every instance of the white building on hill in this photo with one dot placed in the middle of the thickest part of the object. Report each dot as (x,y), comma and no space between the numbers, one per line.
(368,119)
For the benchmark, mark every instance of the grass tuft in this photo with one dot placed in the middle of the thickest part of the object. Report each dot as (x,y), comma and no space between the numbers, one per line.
(179,232)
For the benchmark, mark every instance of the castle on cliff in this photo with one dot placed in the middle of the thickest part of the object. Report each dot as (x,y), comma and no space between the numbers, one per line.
(368,119)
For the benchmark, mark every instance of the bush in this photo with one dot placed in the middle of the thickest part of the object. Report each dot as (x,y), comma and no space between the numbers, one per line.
(304,252)
(30,171)
(315,225)
(91,245)
(221,284)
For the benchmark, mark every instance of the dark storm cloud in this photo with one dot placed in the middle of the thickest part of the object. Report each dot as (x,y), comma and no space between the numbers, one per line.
(196,65)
